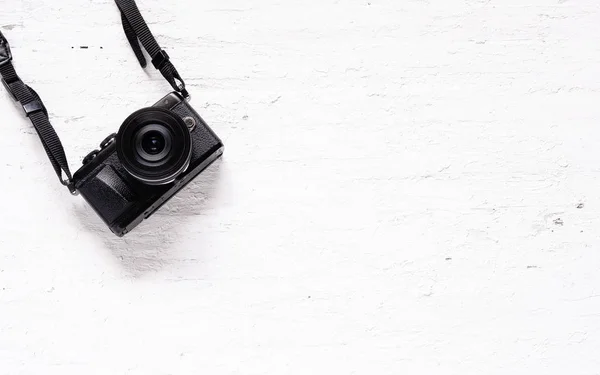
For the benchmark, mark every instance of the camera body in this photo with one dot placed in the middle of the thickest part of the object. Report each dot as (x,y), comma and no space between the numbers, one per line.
(157,151)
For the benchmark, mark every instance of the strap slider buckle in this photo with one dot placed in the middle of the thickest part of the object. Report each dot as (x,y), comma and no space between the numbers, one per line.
(160,59)
(33,107)
(5,54)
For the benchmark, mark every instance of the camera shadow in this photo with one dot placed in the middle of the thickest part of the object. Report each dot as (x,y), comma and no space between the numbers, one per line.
(149,247)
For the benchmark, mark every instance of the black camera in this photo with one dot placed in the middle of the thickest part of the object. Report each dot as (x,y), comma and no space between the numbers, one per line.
(155,153)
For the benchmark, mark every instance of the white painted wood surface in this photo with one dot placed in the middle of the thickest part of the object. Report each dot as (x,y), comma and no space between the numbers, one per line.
(407,187)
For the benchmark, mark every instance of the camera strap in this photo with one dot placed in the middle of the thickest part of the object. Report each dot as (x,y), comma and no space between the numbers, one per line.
(135,29)
(36,111)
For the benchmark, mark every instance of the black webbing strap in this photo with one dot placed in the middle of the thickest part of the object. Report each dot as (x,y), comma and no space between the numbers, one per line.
(35,110)
(136,29)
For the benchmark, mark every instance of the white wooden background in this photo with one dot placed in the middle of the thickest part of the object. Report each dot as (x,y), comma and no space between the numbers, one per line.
(407,187)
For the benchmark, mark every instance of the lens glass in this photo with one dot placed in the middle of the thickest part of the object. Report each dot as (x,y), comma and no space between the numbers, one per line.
(153,142)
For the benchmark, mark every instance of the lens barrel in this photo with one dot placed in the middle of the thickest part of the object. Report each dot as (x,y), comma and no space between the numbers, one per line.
(154,145)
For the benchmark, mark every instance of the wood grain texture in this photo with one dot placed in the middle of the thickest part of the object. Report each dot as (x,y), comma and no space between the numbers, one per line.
(407,187)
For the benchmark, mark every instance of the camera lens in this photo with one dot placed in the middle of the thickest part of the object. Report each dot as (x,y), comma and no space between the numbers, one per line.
(154,145)
(153,142)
